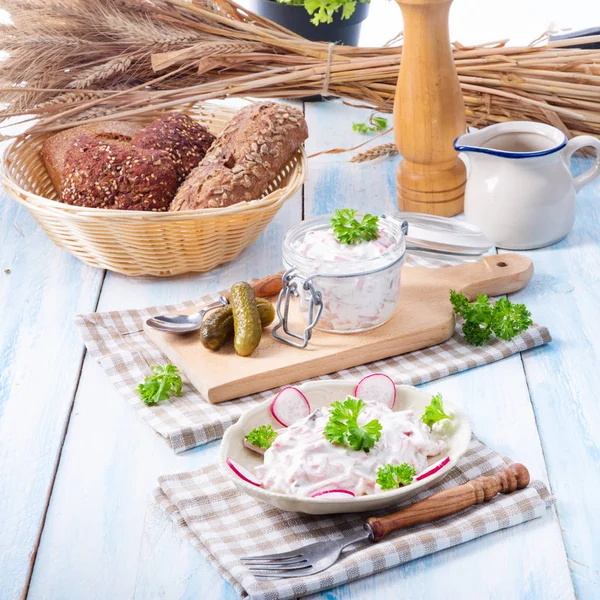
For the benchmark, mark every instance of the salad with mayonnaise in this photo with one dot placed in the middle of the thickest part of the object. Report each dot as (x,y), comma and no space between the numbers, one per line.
(354,447)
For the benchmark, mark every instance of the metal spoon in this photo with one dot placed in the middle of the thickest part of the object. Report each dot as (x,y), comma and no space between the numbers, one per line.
(263,288)
(184,323)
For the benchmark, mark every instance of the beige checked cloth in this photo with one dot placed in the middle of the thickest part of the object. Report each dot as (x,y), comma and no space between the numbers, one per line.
(117,342)
(225,524)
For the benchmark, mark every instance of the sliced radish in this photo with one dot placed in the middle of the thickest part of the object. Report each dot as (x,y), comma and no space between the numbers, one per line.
(289,406)
(254,448)
(439,465)
(377,387)
(242,472)
(334,495)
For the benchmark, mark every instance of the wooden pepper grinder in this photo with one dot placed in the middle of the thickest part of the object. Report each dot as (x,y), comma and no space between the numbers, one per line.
(429,113)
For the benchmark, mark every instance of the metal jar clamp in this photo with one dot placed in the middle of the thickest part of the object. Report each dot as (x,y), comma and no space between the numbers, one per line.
(289,288)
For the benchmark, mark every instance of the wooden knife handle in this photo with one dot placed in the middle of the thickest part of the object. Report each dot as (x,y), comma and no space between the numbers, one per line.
(453,500)
(266,286)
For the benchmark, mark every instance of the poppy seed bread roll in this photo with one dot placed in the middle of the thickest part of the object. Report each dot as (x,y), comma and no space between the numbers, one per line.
(245,158)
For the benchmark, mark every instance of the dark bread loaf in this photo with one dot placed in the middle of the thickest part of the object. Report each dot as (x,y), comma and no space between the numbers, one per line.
(55,147)
(246,157)
(108,174)
(181,137)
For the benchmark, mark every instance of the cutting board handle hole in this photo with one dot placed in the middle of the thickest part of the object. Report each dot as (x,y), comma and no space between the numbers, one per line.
(502,264)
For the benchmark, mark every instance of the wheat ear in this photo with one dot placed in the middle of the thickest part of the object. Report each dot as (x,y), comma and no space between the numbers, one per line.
(375,152)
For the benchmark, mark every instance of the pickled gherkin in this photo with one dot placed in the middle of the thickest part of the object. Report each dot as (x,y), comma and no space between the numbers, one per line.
(217,326)
(247,328)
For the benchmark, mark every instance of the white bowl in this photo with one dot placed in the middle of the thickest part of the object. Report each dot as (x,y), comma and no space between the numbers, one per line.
(321,394)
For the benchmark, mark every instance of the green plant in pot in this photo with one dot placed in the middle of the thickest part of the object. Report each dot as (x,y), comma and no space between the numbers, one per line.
(318,20)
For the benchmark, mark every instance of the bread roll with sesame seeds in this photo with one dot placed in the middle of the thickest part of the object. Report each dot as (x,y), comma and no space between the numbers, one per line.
(101,174)
(181,137)
(245,158)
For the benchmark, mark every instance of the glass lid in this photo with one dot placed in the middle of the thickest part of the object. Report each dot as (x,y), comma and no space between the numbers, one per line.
(443,235)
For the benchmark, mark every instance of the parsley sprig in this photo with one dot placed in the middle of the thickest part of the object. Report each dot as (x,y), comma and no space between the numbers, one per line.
(377,124)
(349,230)
(434,412)
(343,428)
(261,437)
(503,319)
(390,477)
(161,385)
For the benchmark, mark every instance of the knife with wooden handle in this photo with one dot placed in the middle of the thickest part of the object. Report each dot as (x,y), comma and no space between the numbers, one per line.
(265,287)
(451,501)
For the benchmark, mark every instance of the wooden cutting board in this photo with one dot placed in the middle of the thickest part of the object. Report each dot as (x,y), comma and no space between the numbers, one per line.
(424,318)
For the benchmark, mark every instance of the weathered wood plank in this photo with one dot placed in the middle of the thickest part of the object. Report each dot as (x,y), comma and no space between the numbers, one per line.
(103,538)
(564,381)
(41,288)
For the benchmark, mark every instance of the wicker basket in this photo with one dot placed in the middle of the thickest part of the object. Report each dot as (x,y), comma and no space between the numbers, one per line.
(139,242)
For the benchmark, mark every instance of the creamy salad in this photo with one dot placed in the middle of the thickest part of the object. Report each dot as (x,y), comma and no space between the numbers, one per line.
(301,461)
(322,245)
(352,301)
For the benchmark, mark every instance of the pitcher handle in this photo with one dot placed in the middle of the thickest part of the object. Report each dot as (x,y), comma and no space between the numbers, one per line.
(581,141)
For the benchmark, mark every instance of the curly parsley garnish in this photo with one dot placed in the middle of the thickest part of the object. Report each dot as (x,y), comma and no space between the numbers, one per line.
(161,385)
(343,428)
(390,477)
(349,230)
(481,319)
(434,412)
(261,437)
(377,124)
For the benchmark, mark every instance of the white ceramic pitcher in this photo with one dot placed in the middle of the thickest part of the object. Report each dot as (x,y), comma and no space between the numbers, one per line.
(520,191)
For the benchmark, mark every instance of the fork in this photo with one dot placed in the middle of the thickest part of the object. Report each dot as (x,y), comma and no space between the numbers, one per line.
(319,556)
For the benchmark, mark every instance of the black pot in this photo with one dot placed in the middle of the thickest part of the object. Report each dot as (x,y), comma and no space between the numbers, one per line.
(296,19)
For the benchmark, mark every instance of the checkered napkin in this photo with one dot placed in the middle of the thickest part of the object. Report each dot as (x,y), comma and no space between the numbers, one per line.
(225,524)
(116,340)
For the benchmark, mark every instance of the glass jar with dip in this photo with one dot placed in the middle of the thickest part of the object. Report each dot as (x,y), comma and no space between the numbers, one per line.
(342,288)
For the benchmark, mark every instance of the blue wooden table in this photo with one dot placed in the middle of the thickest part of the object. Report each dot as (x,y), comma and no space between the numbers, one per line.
(77,465)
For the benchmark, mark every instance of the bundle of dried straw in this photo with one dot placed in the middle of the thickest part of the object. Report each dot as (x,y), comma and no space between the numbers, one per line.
(74,61)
